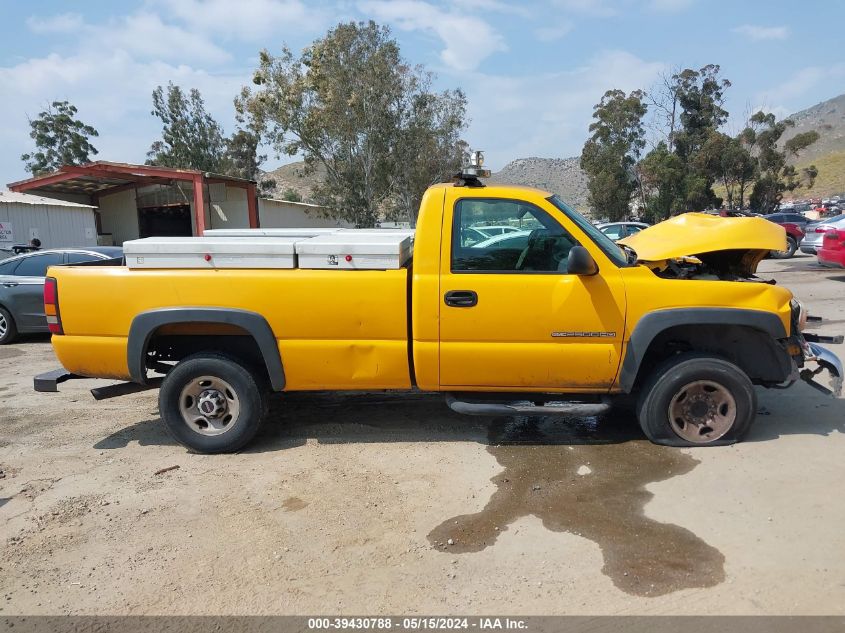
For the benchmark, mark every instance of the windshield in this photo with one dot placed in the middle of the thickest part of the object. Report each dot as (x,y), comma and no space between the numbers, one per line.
(607,245)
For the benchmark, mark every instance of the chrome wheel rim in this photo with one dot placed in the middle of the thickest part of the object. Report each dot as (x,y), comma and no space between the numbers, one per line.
(209,405)
(4,326)
(702,411)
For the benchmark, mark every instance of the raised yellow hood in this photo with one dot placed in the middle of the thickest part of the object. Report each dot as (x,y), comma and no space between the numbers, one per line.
(694,234)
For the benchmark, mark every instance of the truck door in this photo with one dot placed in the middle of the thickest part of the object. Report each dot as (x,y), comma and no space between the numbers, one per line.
(511,316)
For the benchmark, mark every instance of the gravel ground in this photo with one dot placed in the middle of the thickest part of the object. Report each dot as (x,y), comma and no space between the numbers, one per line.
(391,504)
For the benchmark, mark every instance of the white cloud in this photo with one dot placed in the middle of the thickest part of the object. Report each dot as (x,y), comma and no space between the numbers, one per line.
(142,34)
(60,23)
(496,6)
(245,19)
(797,91)
(468,40)
(553,33)
(759,33)
(593,8)
(145,35)
(111,67)
(112,90)
(546,114)
(670,6)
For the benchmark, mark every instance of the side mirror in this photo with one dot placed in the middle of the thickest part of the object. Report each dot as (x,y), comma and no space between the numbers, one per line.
(580,262)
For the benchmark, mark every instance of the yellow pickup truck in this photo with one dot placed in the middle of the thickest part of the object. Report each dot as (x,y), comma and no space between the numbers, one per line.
(541,314)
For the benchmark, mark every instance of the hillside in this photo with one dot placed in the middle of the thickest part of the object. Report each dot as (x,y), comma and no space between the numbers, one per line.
(831,179)
(828,119)
(562,176)
(292,176)
(828,153)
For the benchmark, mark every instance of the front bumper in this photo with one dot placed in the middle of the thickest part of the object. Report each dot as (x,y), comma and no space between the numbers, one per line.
(825,360)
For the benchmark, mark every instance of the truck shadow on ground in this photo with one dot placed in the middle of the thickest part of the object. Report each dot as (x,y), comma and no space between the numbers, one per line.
(341,418)
(145,433)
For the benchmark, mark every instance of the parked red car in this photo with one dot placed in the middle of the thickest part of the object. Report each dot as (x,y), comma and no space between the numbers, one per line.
(832,252)
(794,235)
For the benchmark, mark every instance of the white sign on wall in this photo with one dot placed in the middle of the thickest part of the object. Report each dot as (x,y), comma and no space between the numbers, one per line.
(6,234)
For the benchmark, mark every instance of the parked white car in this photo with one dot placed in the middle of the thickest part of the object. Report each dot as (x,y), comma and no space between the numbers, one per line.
(617,230)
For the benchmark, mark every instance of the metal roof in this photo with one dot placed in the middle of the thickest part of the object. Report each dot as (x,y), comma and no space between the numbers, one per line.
(13,197)
(101,177)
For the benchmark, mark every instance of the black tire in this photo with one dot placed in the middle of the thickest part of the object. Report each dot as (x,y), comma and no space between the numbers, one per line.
(722,392)
(10,335)
(791,247)
(235,383)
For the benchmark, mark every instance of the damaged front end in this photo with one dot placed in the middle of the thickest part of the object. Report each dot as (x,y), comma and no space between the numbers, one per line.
(700,246)
(805,347)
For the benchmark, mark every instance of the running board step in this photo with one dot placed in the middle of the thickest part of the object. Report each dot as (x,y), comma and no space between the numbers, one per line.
(525,407)
(124,389)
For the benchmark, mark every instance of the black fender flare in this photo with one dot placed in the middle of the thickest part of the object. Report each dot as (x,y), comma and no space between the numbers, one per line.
(145,323)
(653,323)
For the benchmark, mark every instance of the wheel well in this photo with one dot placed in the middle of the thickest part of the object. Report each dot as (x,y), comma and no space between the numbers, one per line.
(172,343)
(756,352)
(158,337)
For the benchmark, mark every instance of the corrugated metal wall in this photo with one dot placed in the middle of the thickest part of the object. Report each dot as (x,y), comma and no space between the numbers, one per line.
(56,226)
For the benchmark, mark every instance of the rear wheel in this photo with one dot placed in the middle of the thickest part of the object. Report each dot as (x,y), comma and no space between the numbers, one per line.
(212,403)
(8,330)
(791,247)
(697,400)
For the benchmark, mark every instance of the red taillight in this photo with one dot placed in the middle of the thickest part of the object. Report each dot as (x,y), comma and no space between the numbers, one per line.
(821,229)
(51,306)
(50,294)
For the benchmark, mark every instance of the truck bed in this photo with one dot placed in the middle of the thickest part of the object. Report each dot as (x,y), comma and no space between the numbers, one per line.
(336,329)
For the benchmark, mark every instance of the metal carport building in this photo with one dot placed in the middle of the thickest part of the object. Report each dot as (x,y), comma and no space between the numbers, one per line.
(141,200)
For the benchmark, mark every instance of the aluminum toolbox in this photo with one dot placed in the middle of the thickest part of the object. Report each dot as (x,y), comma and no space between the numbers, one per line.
(305,232)
(211,252)
(356,250)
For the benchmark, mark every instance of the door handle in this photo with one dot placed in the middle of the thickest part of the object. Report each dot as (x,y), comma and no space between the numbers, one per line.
(461,298)
(10,284)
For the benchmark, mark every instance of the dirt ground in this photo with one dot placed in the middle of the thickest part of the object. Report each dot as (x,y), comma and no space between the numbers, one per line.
(378,504)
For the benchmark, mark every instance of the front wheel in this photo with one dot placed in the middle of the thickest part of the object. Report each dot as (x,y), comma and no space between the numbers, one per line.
(212,403)
(791,247)
(697,400)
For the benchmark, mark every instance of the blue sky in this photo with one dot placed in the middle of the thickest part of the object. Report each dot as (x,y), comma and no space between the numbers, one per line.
(531,70)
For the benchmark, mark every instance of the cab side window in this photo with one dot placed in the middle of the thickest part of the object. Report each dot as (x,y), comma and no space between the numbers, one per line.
(537,242)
